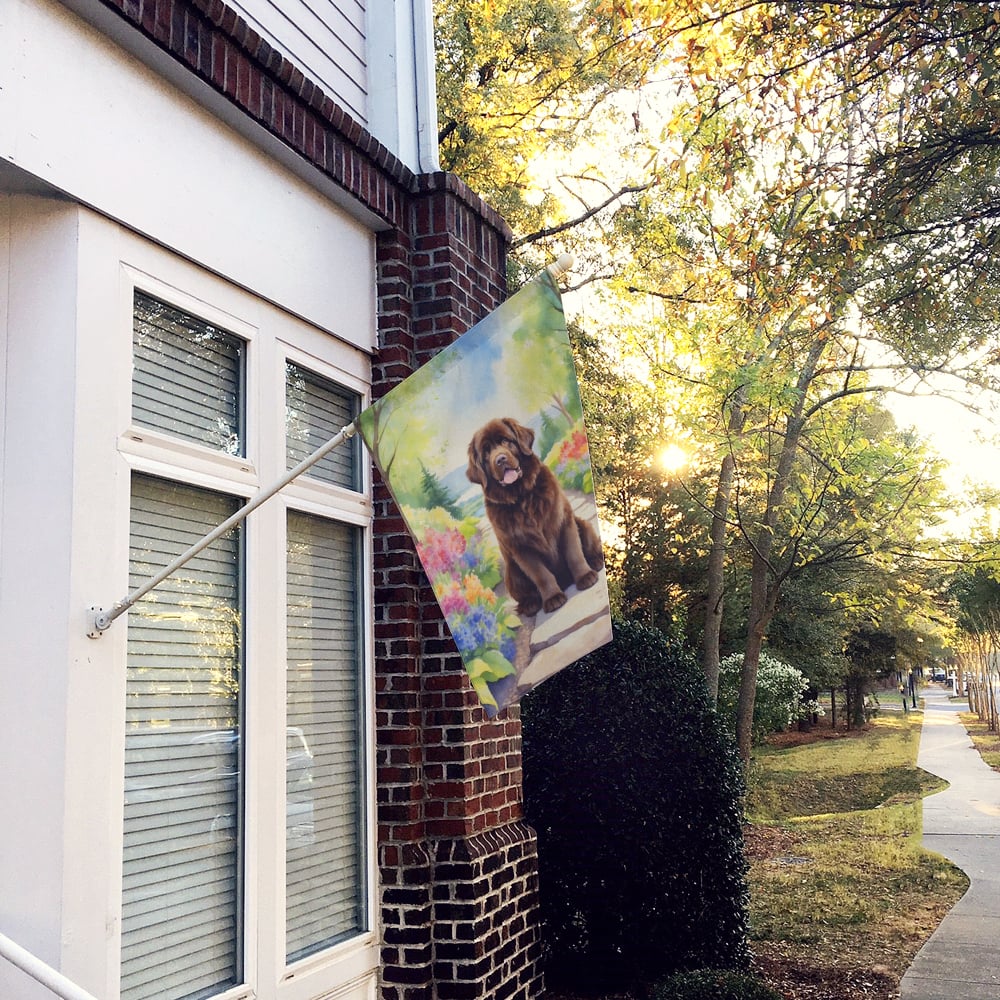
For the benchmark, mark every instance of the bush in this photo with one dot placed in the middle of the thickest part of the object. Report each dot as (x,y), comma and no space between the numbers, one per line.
(712,984)
(634,791)
(779,692)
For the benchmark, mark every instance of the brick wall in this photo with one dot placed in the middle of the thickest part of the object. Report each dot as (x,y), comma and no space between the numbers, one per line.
(458,867)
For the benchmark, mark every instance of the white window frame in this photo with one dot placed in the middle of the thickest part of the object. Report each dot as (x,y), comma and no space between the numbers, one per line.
(347,969)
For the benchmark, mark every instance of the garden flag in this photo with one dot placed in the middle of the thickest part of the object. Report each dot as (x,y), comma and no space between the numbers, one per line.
(485,453)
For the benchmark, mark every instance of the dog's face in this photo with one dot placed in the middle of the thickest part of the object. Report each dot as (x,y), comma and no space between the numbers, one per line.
(500,454)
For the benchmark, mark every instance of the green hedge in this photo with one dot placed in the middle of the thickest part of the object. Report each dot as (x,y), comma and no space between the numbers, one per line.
(712,984)
(634,791)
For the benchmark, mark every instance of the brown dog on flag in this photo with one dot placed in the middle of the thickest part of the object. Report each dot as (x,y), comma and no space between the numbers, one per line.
(544,545)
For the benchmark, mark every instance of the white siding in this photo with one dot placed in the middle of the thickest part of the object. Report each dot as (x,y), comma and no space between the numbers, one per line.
(80,114)
(325,39)
(402,96)
(375,58)
(36,530)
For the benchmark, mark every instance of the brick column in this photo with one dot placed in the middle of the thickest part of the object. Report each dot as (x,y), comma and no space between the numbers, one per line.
(458,866)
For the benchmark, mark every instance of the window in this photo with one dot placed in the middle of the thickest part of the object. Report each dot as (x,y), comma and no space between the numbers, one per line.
(324,686)
(188,377)
(324,865)
(316,409)
(198,874)
(183,870)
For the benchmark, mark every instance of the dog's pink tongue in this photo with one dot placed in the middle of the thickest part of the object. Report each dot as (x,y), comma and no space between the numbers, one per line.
(510,476)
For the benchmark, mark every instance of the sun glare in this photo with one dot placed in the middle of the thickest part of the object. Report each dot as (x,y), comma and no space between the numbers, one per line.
(672,458)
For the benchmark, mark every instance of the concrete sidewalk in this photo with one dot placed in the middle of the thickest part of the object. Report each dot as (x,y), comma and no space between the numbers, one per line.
(961,960)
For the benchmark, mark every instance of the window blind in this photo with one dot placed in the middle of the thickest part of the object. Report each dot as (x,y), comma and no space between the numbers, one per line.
(325,865)
(187,378)
(315,410)
(182,875)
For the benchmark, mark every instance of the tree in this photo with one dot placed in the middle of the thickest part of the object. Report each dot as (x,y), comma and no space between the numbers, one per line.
(793,181)
(516,77)
(437,494)
(976,591)
(686,87)
(871,654)
(811,227)
(843,491)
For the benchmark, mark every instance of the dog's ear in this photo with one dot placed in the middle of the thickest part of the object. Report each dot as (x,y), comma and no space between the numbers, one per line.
(474,473)
(524,436)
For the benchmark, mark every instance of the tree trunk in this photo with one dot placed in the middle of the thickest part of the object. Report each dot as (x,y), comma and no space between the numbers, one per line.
(715,598)
(856,719)
(991,695)
(716,578)
(764,580)
(762,602)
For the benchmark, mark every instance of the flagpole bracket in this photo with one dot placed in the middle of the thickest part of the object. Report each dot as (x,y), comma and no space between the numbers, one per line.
(100,622)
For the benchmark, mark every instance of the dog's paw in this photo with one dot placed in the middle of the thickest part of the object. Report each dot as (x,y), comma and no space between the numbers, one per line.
(585,581)
(529,607)
(555,602)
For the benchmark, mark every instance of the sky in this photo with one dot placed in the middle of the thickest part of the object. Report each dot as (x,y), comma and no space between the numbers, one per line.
(961,438)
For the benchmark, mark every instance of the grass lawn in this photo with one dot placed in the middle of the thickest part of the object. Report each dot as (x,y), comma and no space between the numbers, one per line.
(842,894)
(987,743)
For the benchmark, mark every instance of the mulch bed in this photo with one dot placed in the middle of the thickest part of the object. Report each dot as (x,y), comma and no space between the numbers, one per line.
(800,980)
(793,979)
(821,730)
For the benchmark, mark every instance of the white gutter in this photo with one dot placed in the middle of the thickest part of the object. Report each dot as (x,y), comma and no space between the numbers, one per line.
(425,86)
(38,970)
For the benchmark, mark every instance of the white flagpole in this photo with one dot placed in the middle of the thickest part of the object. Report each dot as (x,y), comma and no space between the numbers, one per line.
(102,619)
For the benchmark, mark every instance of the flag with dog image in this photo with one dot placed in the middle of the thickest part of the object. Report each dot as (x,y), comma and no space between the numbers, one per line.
(485,452)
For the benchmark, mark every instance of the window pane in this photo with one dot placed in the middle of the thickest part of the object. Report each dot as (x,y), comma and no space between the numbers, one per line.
(315,410)
(181,932)
(188,377)
(325,867)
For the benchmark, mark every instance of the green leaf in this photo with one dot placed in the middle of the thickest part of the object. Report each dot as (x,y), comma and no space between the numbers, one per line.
(483,691)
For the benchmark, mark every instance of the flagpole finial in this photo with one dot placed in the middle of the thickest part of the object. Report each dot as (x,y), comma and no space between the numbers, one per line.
(561,265)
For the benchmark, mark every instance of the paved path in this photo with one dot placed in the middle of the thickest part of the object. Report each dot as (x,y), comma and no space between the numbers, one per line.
(961,960)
